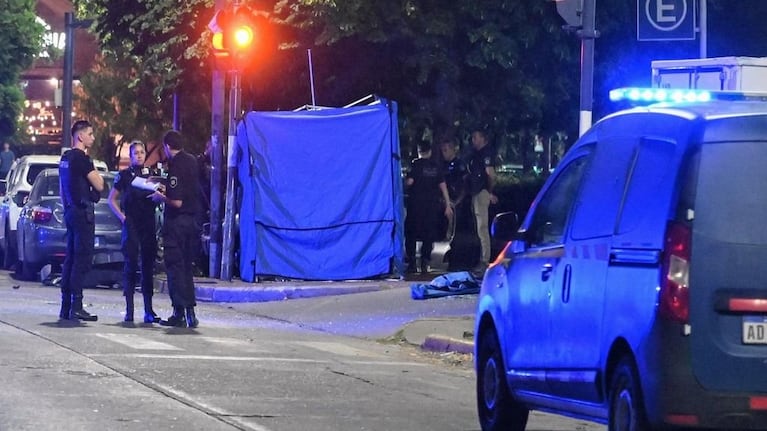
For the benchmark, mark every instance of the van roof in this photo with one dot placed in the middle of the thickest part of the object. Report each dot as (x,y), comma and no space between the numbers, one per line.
(712,110)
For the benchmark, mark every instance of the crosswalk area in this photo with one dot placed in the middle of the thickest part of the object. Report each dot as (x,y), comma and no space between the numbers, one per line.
(238,350)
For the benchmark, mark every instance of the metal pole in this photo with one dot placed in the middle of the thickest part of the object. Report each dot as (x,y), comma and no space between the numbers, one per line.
(587,34)
(176,113)
(703,27)
(311,76)
(66,107)
(217,171)
(231,178)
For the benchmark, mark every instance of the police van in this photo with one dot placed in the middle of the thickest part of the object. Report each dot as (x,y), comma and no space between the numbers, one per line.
(634,293)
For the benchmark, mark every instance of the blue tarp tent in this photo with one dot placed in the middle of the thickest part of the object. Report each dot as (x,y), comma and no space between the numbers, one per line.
(321,193)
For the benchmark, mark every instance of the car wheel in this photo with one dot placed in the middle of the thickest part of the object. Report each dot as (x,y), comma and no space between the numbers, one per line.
(626,405)
(497,409)
(26,270)
(10,256)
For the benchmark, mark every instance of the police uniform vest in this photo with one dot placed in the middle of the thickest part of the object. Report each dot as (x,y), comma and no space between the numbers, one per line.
(133,200)
(74,167)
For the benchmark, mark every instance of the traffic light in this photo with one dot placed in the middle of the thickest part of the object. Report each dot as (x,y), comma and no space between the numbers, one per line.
(235,37)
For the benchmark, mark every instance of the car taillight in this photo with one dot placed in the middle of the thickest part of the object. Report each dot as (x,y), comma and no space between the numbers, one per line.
(674,300)
(41,214)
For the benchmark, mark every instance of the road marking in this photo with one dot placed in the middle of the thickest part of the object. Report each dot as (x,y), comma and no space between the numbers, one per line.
(247,359)
(138,342)
(336,348)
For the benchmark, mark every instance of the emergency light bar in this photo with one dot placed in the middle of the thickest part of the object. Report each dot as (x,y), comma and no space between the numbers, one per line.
(656,95)
(639,95)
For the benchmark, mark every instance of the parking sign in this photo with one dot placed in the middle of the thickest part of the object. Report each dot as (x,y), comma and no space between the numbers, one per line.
(666,20)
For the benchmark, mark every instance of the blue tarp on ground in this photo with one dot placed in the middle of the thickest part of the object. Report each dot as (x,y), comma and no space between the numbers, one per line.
(322,193)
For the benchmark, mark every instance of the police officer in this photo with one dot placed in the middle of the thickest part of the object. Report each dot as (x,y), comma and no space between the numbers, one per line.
(426,185)
(481,182)
(81,187)
(129,202)
(181,231)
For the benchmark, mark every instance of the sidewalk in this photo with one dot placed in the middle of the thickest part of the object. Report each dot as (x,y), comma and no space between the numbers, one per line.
(449,334)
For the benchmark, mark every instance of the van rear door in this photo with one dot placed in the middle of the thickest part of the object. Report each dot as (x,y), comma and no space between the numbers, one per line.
(728,268)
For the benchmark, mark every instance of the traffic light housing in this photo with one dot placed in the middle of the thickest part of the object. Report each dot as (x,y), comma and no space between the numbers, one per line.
(234,38)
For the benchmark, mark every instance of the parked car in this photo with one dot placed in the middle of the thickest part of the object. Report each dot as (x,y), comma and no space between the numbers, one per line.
(18,185)
(633,293)
(41,238)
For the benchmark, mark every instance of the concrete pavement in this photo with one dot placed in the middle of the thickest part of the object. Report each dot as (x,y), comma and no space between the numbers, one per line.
(448,334)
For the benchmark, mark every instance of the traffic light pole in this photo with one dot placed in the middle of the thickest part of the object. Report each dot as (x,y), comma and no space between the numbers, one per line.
(217,176)
(231,178)
(70,24)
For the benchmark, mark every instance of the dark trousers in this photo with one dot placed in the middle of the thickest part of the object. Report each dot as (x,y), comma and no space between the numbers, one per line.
(81,231)
(181,242)
(139,246)
(426,248)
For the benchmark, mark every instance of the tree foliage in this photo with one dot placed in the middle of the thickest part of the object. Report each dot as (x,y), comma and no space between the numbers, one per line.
(20,41)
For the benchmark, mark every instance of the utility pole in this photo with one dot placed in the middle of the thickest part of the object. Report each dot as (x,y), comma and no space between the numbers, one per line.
(231,176)
(70,24)
(580,16)
(217,164)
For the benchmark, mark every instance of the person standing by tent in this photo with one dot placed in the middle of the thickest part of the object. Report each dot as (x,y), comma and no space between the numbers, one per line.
(426,186)
(181,231)
(81,185)
(129,203)
(481,183)
(464,245)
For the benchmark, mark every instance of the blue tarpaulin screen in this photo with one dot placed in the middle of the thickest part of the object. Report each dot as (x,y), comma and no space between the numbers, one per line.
(321,193)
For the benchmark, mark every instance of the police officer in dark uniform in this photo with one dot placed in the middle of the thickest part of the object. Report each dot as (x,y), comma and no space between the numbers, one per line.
(181,230)
(426,185)
(129,201)
(81,187)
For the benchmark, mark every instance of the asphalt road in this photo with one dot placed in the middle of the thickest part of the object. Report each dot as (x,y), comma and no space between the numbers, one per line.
(309,364)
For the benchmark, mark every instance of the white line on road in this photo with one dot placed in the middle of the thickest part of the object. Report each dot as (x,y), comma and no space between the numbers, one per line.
(246,359)
(138,342)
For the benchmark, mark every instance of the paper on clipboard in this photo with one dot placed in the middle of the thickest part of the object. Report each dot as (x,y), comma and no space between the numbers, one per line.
(151,184)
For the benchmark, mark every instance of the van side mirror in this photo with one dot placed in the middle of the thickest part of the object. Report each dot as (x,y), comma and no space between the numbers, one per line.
(504,226)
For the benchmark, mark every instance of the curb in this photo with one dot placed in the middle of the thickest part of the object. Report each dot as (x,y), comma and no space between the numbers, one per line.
(439,343)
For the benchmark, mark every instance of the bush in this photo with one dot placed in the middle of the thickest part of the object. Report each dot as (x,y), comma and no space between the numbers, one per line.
(515,192)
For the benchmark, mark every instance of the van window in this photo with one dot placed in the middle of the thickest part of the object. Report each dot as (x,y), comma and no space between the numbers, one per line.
(35,169)
(547,226)
(645,194)
(604,184)
(730,205)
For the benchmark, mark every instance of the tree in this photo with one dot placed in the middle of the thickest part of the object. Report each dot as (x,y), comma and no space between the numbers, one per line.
(153,52)
(493,64)
(20,41)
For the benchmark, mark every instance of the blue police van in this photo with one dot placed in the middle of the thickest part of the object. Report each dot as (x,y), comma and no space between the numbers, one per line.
(634,293)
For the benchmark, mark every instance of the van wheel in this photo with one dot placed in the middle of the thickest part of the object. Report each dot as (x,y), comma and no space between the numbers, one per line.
(497,409)
(626,406)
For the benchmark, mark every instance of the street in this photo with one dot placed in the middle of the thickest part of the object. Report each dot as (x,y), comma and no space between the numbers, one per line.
(320,363)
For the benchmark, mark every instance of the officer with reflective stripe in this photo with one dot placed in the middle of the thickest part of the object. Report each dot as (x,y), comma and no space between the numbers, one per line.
(181,230)
(129,201)
(81,187)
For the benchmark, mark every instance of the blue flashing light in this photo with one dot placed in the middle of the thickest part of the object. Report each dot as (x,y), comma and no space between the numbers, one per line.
(658,95)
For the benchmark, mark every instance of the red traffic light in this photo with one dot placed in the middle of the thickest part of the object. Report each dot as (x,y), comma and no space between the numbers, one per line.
(237,36)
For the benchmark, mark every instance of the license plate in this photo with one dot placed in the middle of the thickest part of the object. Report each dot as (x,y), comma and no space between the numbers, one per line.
(754,330)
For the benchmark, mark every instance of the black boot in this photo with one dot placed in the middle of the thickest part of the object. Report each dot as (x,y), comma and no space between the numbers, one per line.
(78,312)
(177,319)
(149,315)
(191,319)
(66,306)
(129,307)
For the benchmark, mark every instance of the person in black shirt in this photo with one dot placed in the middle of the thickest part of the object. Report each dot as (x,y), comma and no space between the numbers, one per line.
(129,202)
(181,231)
(427,197)
(481,183)
(81,187)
